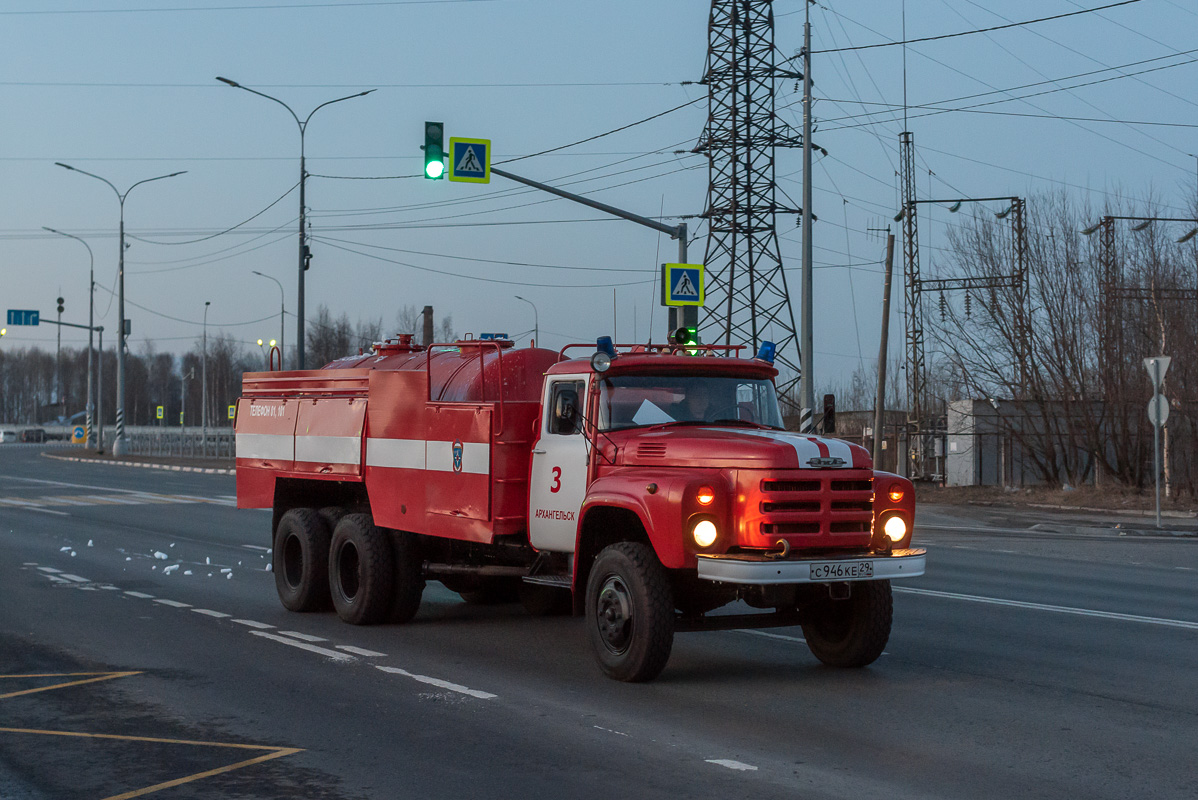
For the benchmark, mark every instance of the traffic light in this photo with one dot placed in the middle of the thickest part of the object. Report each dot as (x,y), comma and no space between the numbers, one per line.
(61,308)
(434,150)
(829,413)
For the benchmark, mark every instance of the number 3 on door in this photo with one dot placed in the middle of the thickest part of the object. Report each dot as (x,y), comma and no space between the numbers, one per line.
(557,480)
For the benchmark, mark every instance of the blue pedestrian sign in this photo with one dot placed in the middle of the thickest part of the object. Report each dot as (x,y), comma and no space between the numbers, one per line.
(17,316)
(470,160)
(683,285)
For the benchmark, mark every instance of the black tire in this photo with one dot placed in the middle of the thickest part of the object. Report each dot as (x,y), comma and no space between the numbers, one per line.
(545,601)
(407,577)
(630,612)
(300,560)
(360,571)
(332,515)
(851,632)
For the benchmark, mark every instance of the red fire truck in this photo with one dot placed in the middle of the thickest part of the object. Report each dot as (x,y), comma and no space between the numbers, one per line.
(645,488)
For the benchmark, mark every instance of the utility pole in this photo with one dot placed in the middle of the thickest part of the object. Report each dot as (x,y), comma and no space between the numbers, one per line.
(880,401)
(204,386)
(806,339)
(62,403)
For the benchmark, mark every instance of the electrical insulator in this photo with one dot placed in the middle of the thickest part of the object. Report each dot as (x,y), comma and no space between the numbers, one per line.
(968,304)
(943,307)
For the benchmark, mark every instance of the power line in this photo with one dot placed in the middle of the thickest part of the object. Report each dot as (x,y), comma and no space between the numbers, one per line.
(226,230)
(971,32)
(255,7)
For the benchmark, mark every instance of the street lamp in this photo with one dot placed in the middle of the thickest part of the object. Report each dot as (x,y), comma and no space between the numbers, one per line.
(282,314)
(536,320)
(120,446)
(91,325)
(304,255)
(204,385)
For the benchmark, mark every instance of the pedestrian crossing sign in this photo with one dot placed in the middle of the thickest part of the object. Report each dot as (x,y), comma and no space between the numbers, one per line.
(470,160)
(158,415)
(683,284)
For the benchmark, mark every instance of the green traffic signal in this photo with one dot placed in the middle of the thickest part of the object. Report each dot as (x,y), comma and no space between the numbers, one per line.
(434,150)
(688,335)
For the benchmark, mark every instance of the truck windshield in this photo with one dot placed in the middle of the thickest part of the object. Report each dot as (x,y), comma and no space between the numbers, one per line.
(632,401)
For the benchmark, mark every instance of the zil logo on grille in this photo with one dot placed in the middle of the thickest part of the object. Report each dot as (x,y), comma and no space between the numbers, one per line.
(457,456)
(818,462)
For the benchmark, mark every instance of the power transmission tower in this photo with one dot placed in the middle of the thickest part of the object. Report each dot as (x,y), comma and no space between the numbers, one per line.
(747,296)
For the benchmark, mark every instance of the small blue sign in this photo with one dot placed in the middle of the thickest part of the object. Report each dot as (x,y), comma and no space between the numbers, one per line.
(17,316)
(470,160)
(486,337)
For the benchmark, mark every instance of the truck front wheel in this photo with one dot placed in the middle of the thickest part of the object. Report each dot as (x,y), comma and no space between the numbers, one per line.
(630,612)
(852,632)
(360,571)
(301,560)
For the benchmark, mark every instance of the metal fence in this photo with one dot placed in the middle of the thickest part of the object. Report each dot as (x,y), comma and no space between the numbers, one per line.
(192,444)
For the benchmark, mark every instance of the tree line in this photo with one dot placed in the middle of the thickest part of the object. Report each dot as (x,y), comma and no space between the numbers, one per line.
(33,393)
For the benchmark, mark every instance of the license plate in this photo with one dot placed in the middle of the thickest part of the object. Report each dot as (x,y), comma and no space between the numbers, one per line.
(842,570)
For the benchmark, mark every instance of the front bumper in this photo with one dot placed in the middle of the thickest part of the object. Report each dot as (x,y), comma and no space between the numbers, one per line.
(761,570)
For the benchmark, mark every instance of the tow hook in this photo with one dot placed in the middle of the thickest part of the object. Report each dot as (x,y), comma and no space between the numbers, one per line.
(783,550)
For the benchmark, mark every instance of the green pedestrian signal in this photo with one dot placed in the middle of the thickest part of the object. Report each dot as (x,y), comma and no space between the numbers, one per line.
(434,150)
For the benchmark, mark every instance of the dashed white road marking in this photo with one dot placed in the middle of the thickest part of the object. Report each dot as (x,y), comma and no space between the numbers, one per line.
(141,595)
(173,603)
(57,579)
(311,648)
(210,613)
(303,637)
(252,624)
(453,687)
(47,511)
(609,730)
(49,569)
(256,547)
(1081,612)
(769,635)
(730,764)
(29,564)
(74,578)
(358,651)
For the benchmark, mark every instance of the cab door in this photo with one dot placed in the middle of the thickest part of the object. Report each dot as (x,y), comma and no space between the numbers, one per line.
(559,467)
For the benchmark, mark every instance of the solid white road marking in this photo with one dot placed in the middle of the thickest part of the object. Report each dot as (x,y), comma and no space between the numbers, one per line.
(311,648)
(47,511)
(256,547)
(303,637)
(730,764)
(1082,612)
(358,651)
(798,639)
(251,623)
(453,687)
(210,613)
(142,595)
(173,603)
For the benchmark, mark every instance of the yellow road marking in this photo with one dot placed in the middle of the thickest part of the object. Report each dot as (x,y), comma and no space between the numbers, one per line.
(273,751)
(104,676)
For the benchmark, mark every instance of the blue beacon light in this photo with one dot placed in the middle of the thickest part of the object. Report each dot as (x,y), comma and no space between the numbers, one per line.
(767,352)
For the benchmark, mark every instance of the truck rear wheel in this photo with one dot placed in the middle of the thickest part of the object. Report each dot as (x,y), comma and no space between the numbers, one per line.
(630,612)
(851,632)
(408,577)
(301,560)
(360,571)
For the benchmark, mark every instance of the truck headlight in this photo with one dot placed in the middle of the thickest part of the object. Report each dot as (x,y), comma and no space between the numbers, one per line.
(705,533)
(895,528)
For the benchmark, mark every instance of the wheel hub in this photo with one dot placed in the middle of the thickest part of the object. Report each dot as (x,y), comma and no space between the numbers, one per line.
(614,615)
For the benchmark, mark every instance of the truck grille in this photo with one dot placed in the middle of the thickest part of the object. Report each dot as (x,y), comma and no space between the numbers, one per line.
(818,511)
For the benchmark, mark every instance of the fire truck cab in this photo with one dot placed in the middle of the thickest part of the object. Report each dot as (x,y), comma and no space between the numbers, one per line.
(649,490)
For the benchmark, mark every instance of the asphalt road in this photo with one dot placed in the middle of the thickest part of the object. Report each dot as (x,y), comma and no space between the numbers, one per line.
(1020,666)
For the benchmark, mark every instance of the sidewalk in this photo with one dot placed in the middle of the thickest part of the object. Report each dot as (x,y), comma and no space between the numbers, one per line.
(209,466)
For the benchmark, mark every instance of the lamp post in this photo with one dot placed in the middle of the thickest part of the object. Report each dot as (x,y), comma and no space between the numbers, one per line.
(204,385)
(304,255)
(120,446)
(91,322)
(536,320)
(282,314)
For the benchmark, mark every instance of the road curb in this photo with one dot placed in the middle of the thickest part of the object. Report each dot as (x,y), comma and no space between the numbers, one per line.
(144,465)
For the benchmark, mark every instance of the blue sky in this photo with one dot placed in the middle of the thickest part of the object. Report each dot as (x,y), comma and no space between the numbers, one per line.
(126,89)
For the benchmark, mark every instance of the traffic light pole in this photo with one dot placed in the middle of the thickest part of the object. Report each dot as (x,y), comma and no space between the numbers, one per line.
(684,317)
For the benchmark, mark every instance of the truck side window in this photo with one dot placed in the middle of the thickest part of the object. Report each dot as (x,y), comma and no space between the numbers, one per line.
(564,407)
